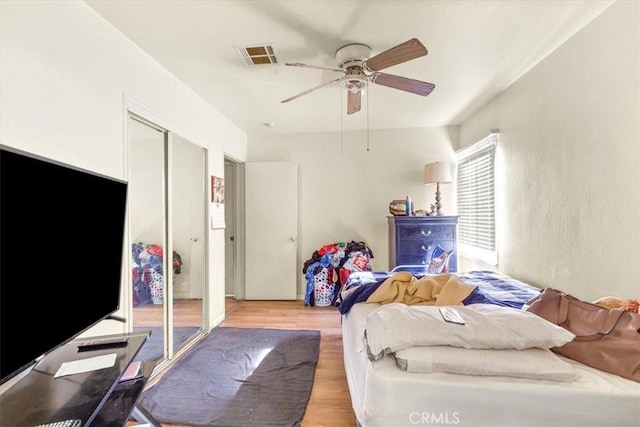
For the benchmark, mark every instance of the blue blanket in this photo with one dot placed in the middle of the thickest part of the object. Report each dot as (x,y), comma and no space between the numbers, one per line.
(491,288)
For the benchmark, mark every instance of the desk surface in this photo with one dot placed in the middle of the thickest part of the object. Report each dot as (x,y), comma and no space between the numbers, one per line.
(38,398)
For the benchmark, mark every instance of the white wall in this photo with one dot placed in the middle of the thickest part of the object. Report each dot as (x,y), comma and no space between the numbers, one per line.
(344,190)
(569,156)
(67,77)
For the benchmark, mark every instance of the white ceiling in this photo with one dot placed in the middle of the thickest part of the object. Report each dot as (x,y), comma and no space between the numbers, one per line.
(476,49)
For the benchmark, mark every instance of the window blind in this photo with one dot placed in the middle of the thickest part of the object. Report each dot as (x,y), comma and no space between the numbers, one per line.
(476,199)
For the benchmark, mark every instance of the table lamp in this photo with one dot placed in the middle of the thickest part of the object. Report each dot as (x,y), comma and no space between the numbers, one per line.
(437,173)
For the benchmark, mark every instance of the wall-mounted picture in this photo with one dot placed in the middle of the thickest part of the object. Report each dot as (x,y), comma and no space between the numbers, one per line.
(217,189)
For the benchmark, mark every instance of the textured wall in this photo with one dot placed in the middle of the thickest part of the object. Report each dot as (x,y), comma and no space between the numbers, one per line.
(568,156)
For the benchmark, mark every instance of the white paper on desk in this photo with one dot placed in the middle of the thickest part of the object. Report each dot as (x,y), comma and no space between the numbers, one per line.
(86,365)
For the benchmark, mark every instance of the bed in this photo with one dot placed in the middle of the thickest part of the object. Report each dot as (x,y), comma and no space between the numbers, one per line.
(383,394)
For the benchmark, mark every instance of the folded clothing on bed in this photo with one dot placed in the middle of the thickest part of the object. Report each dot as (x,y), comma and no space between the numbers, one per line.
(394,327)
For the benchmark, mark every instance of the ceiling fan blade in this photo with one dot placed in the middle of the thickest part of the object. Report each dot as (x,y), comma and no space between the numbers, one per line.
(404,52)
(403,83)
(353,101)
(319,67)
(309,90)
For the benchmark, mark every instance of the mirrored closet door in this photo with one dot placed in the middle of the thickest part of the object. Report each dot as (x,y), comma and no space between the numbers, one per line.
(167,211)
(187,213)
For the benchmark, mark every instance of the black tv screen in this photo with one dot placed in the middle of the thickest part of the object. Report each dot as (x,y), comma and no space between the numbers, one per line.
(61,253)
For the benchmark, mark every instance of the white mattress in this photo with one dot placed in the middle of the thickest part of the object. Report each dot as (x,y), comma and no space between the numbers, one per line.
(383,395)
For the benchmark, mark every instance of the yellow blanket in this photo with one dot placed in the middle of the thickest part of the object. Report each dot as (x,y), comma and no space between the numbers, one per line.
(437,289)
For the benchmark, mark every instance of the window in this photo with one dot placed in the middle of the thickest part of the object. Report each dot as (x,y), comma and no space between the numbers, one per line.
(476,200)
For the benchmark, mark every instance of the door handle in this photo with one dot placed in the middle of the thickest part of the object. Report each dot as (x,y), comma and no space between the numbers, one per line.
(292,239)
(232,238)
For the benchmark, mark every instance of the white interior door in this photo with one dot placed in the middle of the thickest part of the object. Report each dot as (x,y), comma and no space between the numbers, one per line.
(271,226)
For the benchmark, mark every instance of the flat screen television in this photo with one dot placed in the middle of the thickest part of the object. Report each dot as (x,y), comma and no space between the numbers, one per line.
(61,254)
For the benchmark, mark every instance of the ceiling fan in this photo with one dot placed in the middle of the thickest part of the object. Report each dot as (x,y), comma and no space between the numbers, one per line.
(359,68)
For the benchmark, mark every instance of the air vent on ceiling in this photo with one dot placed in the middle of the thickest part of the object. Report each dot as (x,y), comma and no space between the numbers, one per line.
(258,54)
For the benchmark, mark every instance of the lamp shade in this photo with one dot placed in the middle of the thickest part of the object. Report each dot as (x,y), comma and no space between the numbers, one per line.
(437,172)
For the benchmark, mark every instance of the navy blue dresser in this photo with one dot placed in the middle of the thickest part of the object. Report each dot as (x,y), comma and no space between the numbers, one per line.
(412,239)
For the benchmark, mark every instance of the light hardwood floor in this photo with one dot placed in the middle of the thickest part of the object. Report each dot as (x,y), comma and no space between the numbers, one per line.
(186,312)
(330,402)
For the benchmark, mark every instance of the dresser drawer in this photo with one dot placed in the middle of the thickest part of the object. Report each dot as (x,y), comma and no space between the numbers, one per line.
(419,247)
(411,259)
(425,231)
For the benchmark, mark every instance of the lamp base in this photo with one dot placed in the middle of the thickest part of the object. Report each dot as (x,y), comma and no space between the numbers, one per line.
(435,209)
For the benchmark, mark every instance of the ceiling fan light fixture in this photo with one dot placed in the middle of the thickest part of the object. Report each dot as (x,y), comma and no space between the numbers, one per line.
(353,83)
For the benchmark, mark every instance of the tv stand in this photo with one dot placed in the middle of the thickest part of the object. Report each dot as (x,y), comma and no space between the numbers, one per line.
(96,398)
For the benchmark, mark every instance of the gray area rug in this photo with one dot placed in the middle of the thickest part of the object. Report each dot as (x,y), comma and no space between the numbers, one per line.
(153,348)
(239,377)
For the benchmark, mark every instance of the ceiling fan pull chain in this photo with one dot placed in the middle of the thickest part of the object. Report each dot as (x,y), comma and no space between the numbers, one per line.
(341,119)
(367,95)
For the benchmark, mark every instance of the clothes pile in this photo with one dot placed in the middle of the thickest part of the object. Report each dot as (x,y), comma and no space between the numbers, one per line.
(329,267)
(147,273)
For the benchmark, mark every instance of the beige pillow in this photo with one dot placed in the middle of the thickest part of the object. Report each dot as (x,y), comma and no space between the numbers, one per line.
(536,363)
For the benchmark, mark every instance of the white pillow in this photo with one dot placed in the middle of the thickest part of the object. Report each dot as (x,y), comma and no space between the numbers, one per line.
(536,363)
(393,327)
